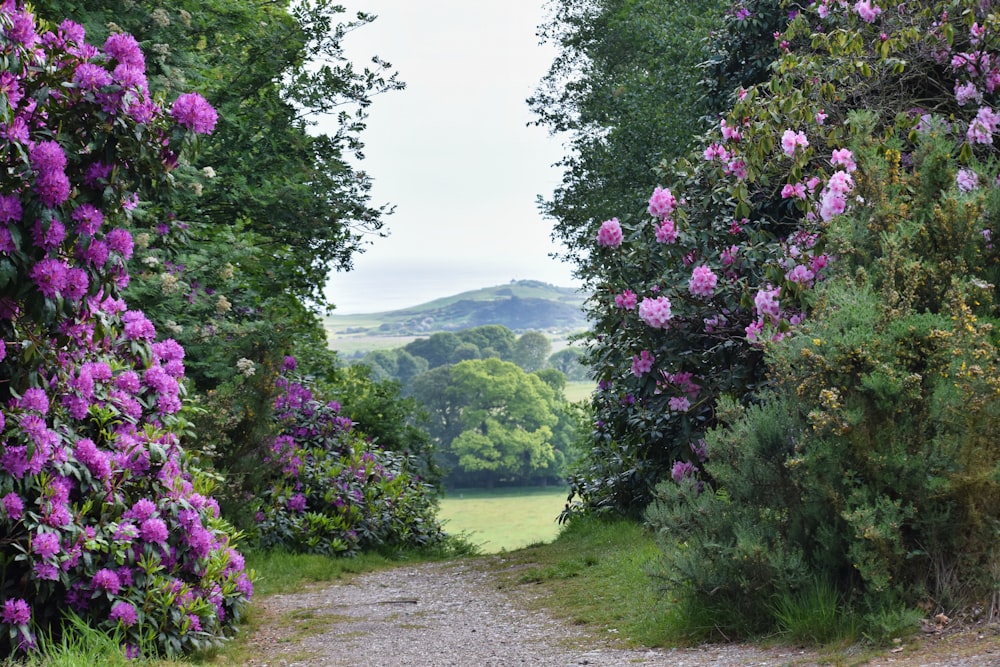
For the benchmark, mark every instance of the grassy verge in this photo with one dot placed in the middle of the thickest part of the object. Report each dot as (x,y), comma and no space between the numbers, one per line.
(596,573)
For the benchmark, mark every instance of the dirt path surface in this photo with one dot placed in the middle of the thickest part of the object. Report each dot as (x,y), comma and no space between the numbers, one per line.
(455,615)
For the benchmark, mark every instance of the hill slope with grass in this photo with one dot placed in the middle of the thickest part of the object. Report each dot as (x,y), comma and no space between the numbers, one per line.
(522,305)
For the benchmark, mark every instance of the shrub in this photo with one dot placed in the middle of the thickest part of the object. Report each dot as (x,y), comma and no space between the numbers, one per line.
(330,491)
(103,512)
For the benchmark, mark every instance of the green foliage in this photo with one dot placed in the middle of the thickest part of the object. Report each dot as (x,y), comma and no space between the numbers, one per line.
(814,615)
(623,88)
(531,351)
(330,490)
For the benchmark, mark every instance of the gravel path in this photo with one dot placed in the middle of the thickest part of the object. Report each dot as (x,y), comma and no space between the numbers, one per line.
(454,615)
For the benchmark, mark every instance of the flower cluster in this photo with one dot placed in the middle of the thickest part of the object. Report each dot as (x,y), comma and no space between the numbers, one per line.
(103,511)
(330,491)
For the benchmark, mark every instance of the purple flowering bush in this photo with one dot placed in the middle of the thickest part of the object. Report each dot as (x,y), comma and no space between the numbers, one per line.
(332,491)
(102,511)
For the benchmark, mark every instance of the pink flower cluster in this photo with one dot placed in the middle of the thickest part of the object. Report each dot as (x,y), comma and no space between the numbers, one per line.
(642,363)
(791,140)
(655,312)
(702,282)
(867,10)
(610,234)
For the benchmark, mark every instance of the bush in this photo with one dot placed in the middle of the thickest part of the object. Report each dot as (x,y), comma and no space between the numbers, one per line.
(103,511)
(332,492)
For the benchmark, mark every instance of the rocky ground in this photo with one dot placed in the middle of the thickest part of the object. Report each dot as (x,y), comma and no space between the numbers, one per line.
(457,614)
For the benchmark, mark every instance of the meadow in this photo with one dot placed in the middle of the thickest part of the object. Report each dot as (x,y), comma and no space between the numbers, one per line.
(503,519)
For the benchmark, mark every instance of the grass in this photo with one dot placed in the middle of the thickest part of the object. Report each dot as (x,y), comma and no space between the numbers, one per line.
(579,390)
(596,573)
(503,520)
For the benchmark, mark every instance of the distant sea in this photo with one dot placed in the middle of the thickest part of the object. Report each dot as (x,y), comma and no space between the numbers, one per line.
(375,289)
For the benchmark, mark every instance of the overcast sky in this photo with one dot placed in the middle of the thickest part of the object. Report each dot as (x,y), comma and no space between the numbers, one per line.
(454,153)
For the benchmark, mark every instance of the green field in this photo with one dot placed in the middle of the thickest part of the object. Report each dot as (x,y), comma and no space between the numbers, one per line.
(503,520)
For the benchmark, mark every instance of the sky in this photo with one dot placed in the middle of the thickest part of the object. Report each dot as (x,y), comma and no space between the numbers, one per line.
(454,153)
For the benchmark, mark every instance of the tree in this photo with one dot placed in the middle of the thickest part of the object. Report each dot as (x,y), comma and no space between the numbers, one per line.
(437,349)
(532,350)
(507,417)
(493,340)
(570,361)
(624,90)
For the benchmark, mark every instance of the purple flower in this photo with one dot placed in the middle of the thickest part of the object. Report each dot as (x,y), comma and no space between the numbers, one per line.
(106,580)
(141,510)
(10,208)
(125,49)
(49,275)
(13,506)
(153,530)
(137,326)
(88,219)
(45,545)
(297,503)
(35,399)
(52,187)
(125,613)
(46,156)
(195,113)
(91,77)
(16,612)
(120,241)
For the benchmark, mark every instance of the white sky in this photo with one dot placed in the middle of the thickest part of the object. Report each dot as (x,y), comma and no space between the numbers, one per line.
(454,153)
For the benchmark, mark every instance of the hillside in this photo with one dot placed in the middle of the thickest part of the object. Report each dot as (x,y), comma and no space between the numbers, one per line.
(523,305)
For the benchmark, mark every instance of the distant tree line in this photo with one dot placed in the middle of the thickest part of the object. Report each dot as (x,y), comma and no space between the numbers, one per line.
(494,402)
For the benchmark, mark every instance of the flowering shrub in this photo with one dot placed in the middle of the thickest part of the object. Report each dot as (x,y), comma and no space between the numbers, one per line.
(103,512)
(333,492)
(869,279)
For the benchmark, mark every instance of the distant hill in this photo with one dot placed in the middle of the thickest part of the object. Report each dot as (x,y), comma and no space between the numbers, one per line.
(522,305)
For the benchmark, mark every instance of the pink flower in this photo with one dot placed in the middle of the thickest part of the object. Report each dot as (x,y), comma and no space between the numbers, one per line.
(666,231)
(610,234)
(737,168)
(655,312)
(842,157)
(716,152)
(796,191)
(626,300)
(642,363)
(790,140)
(821,117)
(680,404)
(867,11)
(730,133)
(967,92)
(702,282)
(662,203)
(754,329)
(682,470)
(800,274)
(729,254)
(967,180)
(981,129)
(766,303)
(195,113)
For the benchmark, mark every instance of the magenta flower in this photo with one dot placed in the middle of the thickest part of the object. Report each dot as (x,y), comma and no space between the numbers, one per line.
(702,282)
(91,77)
(297,503)
(124,612)
(106,580)
(125,49)
(16,612)
(682,470)
(49,275)
(13,506)
(153,530)
(195,113)
(45,545)
(120,240)
(10,208)
(610,234)
(655,312)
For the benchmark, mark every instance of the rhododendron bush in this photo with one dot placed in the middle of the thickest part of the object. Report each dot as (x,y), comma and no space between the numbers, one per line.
(330,490)
(103,513)
(828,255)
